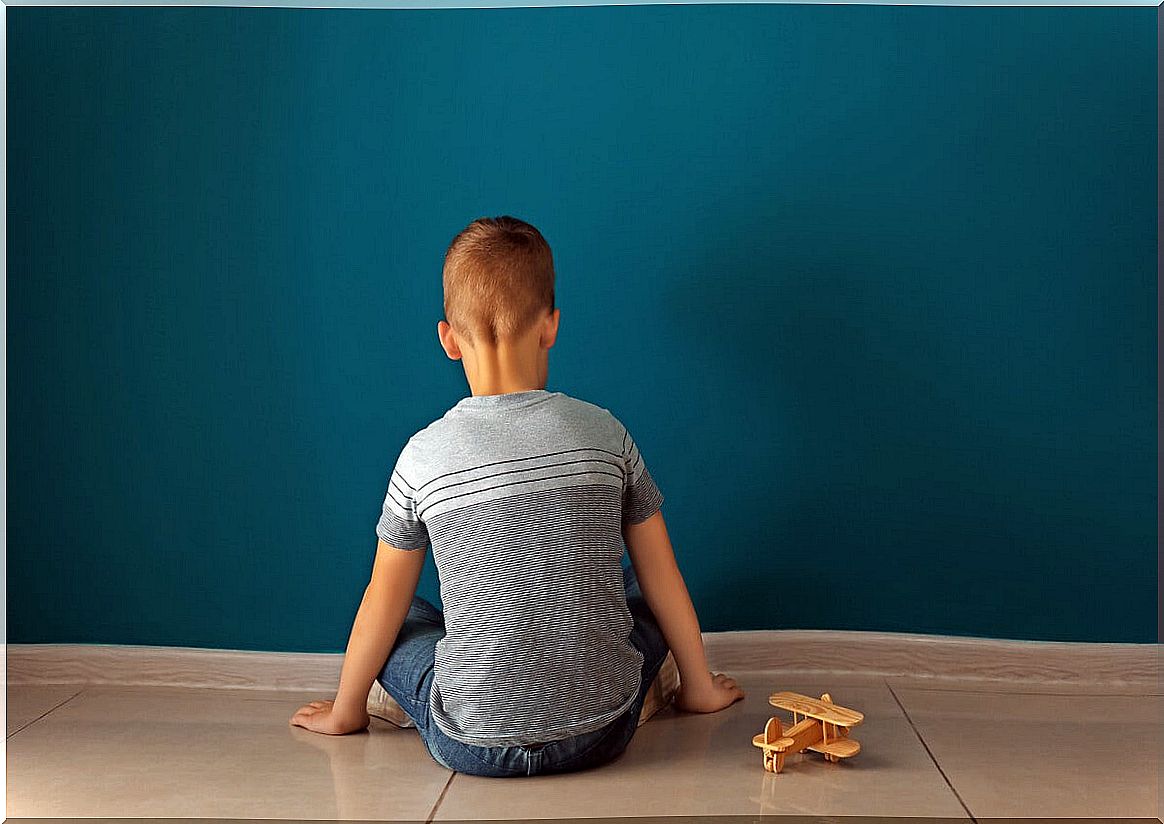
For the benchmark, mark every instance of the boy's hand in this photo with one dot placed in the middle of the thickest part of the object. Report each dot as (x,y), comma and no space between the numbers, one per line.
(711,694)
(320,716)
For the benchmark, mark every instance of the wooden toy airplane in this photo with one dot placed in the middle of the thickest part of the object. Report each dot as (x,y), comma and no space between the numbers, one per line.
(821,718)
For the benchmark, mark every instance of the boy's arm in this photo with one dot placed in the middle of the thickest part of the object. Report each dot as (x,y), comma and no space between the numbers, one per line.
(666,594)
(387,598)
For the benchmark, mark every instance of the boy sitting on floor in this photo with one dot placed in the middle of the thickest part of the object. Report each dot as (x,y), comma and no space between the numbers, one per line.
(548,655)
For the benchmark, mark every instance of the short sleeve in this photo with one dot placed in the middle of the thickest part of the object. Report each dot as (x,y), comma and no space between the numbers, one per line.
(399,525)
(641,498)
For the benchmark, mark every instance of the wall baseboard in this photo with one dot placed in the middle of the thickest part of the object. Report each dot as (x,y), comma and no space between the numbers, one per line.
(939,658)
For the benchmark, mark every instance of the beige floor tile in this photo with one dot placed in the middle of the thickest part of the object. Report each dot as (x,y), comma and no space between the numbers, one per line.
(687,764)
(1043,755)
(25,704)
(172,752)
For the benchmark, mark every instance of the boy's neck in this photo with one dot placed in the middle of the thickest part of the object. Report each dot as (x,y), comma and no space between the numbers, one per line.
(504,368)
(502,387)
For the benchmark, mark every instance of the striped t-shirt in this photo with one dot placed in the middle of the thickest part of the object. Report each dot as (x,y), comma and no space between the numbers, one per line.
(523,496)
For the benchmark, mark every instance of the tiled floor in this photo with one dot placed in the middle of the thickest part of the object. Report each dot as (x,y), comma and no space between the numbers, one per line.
(957,752)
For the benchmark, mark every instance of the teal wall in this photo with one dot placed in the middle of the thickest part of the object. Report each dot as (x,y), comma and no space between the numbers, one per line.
(874,287)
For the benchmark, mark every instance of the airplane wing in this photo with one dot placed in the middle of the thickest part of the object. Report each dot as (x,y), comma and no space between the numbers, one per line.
(811,707)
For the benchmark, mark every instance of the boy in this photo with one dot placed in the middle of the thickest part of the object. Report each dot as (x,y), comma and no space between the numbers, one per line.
(547,656)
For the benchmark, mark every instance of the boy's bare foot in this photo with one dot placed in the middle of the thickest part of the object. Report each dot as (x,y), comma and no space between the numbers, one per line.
(662,689)
(384,706)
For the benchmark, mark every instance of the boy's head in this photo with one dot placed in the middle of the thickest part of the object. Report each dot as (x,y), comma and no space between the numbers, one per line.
(498,280)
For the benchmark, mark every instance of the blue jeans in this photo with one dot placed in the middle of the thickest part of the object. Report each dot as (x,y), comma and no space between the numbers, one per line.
(407,677)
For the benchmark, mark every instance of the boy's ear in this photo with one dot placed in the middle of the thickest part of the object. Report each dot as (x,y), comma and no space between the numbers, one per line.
(550,330)
(448,339)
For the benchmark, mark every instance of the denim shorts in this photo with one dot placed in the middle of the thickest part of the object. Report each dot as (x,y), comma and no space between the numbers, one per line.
(407,677)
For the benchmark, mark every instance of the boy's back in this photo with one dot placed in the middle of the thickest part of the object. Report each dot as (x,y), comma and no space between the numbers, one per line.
(523,496)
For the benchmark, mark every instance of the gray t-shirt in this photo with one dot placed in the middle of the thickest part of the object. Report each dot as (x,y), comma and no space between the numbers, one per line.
(523,497)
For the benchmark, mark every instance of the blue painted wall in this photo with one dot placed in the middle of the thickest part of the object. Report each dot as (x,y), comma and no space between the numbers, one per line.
(873,287)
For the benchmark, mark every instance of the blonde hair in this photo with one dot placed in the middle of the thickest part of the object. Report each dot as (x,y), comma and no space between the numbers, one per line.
(498,278)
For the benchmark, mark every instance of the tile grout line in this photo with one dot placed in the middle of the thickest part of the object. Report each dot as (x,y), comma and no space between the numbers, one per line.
(929,752)
(432,813)
(43,714)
